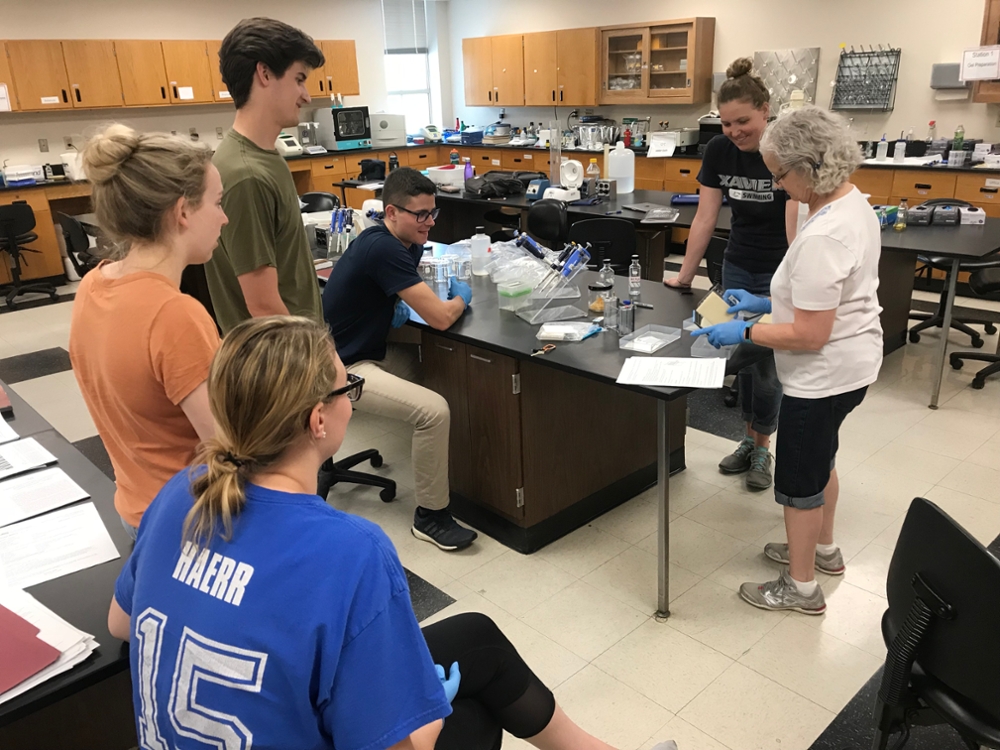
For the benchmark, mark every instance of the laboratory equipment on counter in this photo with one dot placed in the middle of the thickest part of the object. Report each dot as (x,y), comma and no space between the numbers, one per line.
(901,212)
(649,338)
(566,195)
(611,311)
(931,131)
(342,231)
(449,174)
(607,274)
(571,173)
(344,128)
(536,189)
(572,259)
(882,151)
(634,279)
(309,138)
(431,133)
(73,163)
(393,162)
(956,145)
(971,215)
(514,295)
(24,174)
(593,170)
(596,294)
(388,131)
(899,152)
(709,126)
(626,317)
(621,168)
(480,252)
(919,216)
(607,189)
(288,145)
(945,216)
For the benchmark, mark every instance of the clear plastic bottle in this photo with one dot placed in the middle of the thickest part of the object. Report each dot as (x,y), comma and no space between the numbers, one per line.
(900,224)
(606,275)
(480,252)
(959,138)
(931,131)
(634,279)
(593,170)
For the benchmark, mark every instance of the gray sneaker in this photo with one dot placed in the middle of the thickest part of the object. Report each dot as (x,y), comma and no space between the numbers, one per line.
(739,460)
(782,595)
(759,473)
(832,564)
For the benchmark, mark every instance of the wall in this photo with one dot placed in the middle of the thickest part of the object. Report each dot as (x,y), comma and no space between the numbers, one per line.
(925,34)
(173,19)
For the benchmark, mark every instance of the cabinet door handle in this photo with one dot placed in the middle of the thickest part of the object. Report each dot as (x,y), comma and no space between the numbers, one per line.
(65,98)
(922,186)
(320,84)
(328,166)
(163,91)
(685,172)
(446,348)
(560,96)
(77,92)
(987,190)
(481,359)
(489,94)
(553,94)
(175,93)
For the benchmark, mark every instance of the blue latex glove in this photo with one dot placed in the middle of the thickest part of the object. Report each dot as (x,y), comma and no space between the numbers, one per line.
(746,302)
(401,314)
(724,334)
(458,288)
(450,684)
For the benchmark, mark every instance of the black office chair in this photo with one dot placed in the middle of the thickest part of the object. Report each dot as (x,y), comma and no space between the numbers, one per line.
(16,222)
(610,239)
(982,282)
(319,202)
(77,245)
(509,221)
(941,632)
(549,222)
(333,472)
(938,263)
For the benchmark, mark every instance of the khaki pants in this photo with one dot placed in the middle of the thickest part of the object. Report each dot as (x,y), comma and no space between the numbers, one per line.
(390,392)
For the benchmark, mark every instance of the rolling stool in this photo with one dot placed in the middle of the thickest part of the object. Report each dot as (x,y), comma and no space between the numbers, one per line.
(16,222)
(333,472)
(319,202)
(508,222)
(982,282)
(548,220)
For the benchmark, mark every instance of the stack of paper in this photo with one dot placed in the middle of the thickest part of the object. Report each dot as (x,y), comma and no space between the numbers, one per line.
(21,456)
(7,432)
(675,372)
(36,493)
(35,643)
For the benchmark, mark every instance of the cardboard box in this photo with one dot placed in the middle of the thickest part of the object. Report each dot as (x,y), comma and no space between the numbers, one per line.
(972,215)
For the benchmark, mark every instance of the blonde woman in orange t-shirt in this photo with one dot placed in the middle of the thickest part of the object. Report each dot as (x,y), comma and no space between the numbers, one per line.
(141,348)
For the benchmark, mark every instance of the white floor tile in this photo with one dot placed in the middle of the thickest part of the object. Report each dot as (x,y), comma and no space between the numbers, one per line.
(929,439)
(919,463)
(888,492)
(685,735)
(973,479)
(631,577)
(696,547)
(58,399)
(958,421)
(858,523)
(869,569)
(979,517)
(583,550)
(852,614)
(703,464)
(987,455)
(517,583)
(738,515)
(688,490)
(633,520)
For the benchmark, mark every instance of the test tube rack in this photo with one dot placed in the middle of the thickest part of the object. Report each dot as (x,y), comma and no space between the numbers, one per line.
(866,80)
(557,285)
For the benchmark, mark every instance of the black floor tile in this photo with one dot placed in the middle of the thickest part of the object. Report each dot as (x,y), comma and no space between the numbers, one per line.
(26,303)
(708,413)
(427,600)
(34,365)
(93,449)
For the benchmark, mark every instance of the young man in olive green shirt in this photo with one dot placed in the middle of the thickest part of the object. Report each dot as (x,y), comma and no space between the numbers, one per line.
(263,265)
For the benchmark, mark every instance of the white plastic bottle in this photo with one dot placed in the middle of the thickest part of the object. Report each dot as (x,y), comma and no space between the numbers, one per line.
(634,279)
(593,170)
(621,168)
(480,252)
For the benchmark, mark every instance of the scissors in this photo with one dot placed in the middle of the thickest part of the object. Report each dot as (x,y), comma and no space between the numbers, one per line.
(544,350)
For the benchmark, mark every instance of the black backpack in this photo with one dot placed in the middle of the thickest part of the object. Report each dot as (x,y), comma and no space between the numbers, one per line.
(494,185)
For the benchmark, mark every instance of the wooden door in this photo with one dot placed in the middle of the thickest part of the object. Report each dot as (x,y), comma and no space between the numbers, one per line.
(540,62)
(220,92)
(445,373)
(577,69)
(874,182)
(92,69)
(624,70)
(40,72)
(341,68)
(188,76)
(143,75)
(495,431)
(316,83)
(649,173)
(6,79)
(477,64)
(670,62)
(989,91)
(919,185)
(508,70)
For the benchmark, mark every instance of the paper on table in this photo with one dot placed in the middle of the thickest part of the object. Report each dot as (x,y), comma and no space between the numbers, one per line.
(21,456)
(677,372)
(7,432)
(54,545)
(37,493)
(661,144)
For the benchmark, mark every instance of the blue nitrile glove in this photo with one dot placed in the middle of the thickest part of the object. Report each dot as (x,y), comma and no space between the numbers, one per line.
(450,684)
(746,302)
(724,334)
(458,288)
(401,314)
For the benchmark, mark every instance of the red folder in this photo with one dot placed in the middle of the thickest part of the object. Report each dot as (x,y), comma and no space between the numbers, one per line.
(22,653)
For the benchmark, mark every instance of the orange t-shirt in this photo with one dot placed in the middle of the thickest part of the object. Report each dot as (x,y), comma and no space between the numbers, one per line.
(139,346)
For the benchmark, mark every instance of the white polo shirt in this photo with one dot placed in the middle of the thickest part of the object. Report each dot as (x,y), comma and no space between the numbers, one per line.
(832,264)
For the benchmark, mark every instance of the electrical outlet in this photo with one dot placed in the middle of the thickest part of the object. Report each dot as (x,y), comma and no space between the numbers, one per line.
(68,142)
(219,133)
(43,145)
(194,134)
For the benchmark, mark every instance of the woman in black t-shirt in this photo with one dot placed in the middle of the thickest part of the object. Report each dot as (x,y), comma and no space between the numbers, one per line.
(763,225)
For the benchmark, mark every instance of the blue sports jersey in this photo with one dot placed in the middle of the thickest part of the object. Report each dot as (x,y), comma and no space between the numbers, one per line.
(297,633)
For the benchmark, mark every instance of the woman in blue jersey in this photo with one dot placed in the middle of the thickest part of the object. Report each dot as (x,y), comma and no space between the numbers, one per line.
(763,225)
(259,615)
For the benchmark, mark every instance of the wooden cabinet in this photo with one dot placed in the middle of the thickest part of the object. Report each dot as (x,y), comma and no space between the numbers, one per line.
(477,62)
(48,260)
(989,91)
(92,70)
(220,92)
(560,68)
(919,185)
(6,79)
(40,72)
(143,74)
(681,175)
(523,161)
(508,70)
(649,174)
(981,189)
(444,366)
(876,183)
(664,63)
(188,76)
(341,68)
(418,158)
(541,81)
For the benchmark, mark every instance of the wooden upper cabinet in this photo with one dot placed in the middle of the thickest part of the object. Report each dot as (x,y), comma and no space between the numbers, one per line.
(143,75)
(477,63)
(540,63)
(188,76)
(92,69)
(40,72)
(576,66)
(7,79)
(316,82)
(508,70)
(341,67)
(989,91)
(220,92)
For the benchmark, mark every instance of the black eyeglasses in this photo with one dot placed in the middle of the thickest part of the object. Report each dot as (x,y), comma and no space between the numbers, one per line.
(355,384)
(779,177)
(421,216)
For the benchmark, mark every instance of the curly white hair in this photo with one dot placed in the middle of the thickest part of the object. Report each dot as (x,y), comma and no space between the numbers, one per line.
(816,143)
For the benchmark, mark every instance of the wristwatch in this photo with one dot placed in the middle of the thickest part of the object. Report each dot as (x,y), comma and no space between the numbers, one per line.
(746,332)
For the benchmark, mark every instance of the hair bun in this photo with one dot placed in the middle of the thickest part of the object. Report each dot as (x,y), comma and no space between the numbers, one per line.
(105,153)
(740,67)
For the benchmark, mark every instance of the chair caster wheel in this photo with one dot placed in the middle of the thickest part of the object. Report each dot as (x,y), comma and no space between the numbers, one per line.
(978,383)
(956,363)
(376,461)
(977,343)
(730,401)
(914,338)
(388,494)
(990,329)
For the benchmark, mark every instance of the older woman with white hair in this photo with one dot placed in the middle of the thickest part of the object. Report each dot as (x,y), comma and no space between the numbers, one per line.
(827,342)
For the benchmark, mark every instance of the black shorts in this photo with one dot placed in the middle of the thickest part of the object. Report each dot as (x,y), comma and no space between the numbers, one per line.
(807,446)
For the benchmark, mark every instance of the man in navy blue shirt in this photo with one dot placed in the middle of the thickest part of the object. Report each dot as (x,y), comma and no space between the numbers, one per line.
(371,290)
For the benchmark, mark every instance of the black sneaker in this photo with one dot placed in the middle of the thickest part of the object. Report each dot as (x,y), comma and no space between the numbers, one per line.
(439,528)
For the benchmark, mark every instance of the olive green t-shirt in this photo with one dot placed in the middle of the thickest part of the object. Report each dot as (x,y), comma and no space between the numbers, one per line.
(265,229)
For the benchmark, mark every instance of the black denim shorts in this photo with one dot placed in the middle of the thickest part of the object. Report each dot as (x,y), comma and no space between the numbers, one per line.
(807,446)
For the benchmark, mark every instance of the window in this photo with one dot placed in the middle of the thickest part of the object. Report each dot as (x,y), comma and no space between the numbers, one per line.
(407,69)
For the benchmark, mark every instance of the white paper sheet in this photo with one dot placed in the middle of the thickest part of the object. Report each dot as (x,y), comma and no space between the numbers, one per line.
(37,493)
(677,372)
(4,98)
(661,144)
(7,432)
(54,545)
(185,93)
(22,456)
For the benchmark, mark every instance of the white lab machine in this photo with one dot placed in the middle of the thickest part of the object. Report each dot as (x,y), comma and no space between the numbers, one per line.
(571,176)
(431,134)
(288,145)
(24,174)
(388,131)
